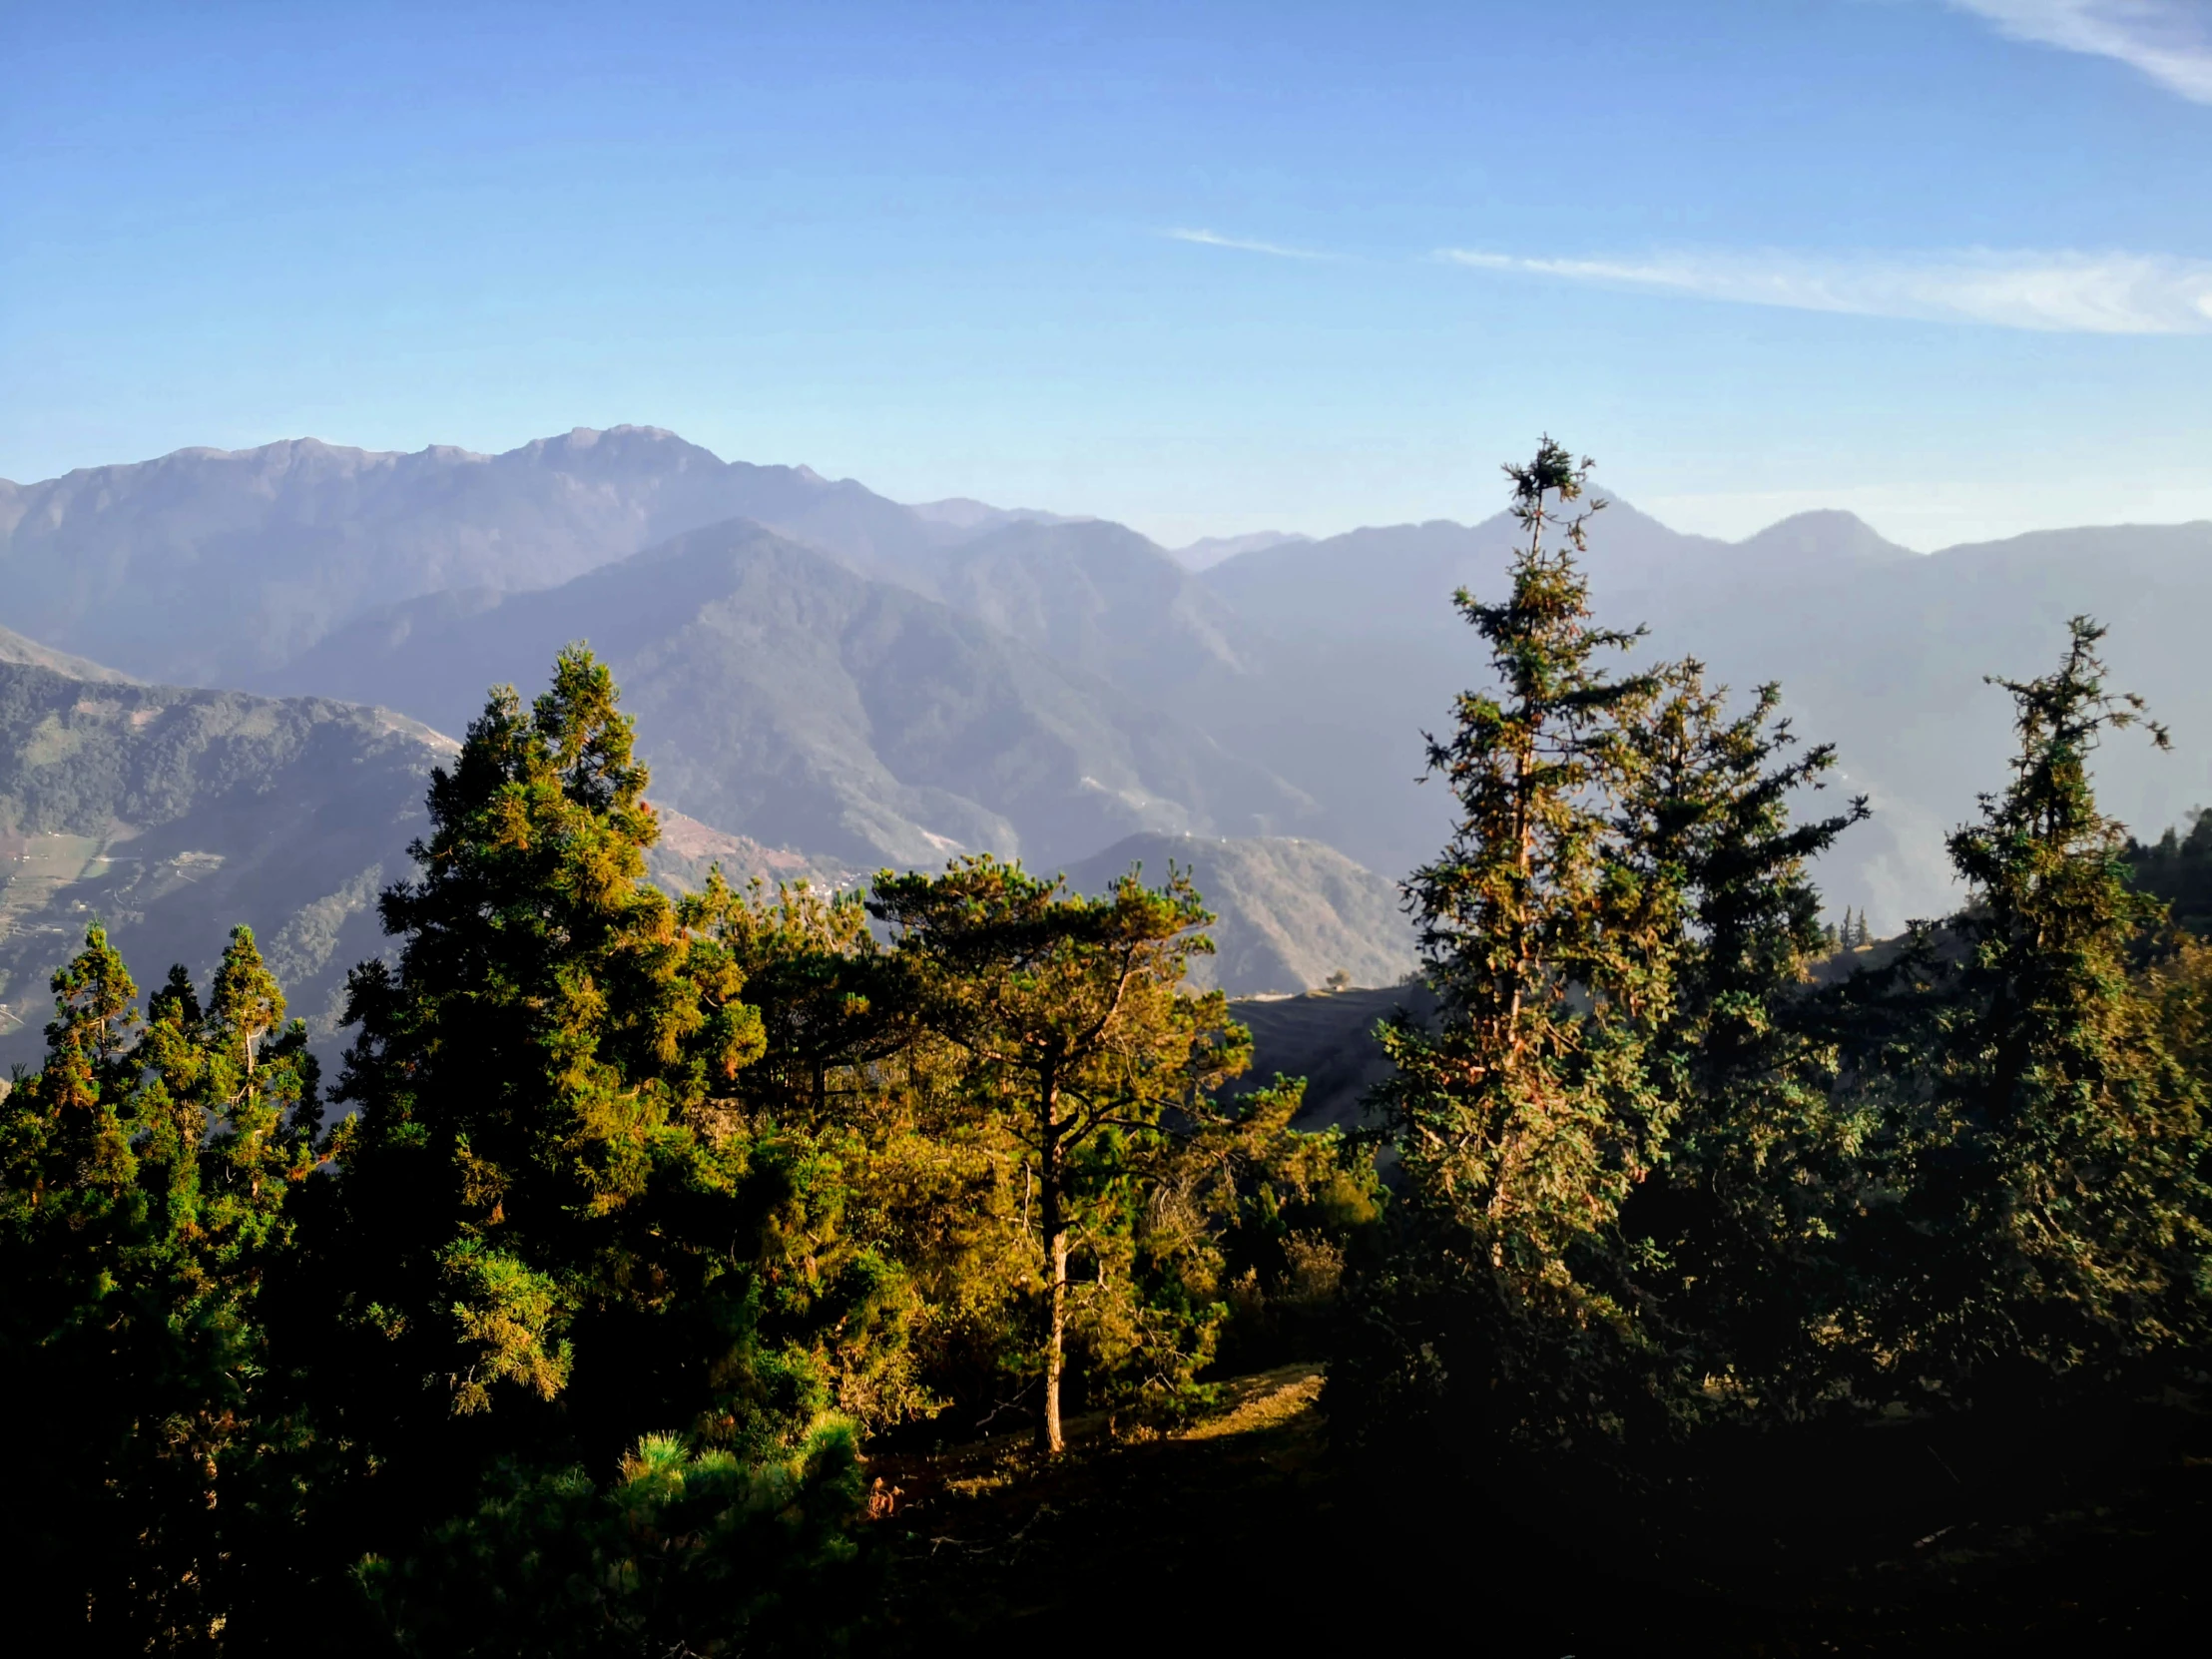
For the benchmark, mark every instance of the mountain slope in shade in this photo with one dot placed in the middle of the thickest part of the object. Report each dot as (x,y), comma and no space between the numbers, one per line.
(1329,1039)
(172,816)
(1290,914)
(781,695)
(1100,596)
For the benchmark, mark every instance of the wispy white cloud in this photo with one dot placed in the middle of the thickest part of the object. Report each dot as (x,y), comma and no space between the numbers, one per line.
(2086,293)
(1244,244)
(2168,40)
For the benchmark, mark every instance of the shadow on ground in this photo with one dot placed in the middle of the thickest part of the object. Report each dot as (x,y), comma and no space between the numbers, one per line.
(1236,1533)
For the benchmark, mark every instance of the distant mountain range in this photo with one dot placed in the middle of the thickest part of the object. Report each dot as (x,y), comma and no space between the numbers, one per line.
(172,814)
(208,565)
(784,695)
(1210,551)
(1880,651)
(822,669)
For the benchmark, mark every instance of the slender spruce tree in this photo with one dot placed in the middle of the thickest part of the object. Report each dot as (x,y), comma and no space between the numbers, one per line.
(1621,1138)
(1529,1116)
(1727,1237)
(2064,1190)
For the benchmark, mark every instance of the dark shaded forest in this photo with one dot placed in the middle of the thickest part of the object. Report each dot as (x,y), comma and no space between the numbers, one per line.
(923,1265)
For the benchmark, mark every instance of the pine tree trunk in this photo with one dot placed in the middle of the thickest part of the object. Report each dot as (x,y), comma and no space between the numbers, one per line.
(1056,1265)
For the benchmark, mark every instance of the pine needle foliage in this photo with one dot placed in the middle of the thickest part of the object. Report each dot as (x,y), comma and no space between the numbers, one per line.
(142,1201)
(683,1551)
(1071,1018)
(553,1233)
(1620,1138)
(1727,1239)
(2063,1152)
(1528,1118)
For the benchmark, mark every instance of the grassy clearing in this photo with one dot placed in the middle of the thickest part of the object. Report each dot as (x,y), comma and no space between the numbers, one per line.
(993,1542)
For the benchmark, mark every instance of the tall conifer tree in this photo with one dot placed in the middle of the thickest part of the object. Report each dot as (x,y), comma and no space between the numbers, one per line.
(2068,1197)
(1528,1116)
(545,1237)
(1728,1232)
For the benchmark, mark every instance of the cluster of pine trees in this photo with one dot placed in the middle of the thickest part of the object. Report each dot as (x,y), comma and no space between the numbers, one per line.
(1658,1182)
(640,1216)
(640,1213)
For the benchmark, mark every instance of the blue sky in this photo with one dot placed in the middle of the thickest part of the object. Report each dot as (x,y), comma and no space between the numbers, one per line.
(1199,268)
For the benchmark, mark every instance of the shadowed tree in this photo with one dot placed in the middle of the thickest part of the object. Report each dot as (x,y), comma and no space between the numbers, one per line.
(2068,1187)
(1727,1237)
(1604,1132)
(142,1190)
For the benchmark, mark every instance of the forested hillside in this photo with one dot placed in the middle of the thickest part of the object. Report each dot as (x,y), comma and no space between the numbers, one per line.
(173,814)
(170,815)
